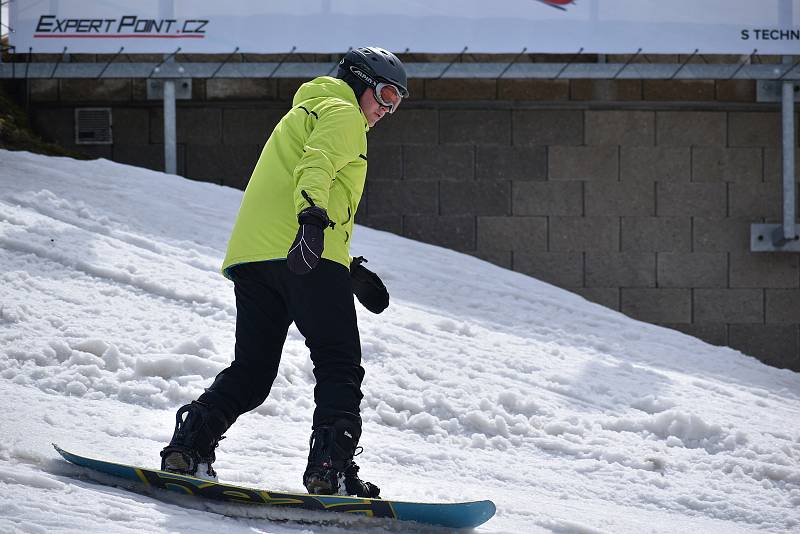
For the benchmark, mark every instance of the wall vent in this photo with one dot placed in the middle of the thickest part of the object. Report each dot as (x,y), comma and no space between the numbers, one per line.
(93,126)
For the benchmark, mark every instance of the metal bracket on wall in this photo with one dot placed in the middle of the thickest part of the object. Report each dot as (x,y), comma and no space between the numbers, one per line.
(183,89)
(772,91)
(783,237)
(769,238)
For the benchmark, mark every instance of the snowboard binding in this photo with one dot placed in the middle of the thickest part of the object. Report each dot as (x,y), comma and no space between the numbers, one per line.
(191,450)
(331,469)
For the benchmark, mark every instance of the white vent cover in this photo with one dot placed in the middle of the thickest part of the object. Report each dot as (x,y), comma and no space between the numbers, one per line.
(93,126)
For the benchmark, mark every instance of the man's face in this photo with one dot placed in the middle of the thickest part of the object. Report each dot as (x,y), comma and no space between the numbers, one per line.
(372,110)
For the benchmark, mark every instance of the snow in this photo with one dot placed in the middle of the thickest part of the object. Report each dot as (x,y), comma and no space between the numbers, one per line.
(481,382)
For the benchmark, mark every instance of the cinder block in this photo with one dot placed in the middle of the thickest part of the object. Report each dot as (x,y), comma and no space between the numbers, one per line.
(475,198)
(200,126)
(773,164)
(249,126)
(439,162)
(241,89)
(55,124)
(774,345)
(547,198)
(620,198)
(636,58)
(229,165)
(606,90)
(48,58)
(620,269)
(215,58)
(512,233)
(196,126)
(765,270)
(755,128)
(385,162)
(453,232)
(547,127)
(691,128)
(511,163)
(93,151)
(461,89)
(91,90)
(656,305)
(583,163)
(148,156)
(287,87)
(407,197)
(579,234)
(718,164)
(605,296)
(657,164)
(563,269)
(756,200)
(696,269)
(475,127)
(629,128)
(736,90)
(406,127)
(717,59)
(386,223)
(130,126)
(363,202)
(416,87)
(712,333)
(783,306)
(679,90)
(532,90)
(656,234)
(501,258)
(691,200)
(139,90)
(721,235)
(729,305)
(43,90)
(198,89)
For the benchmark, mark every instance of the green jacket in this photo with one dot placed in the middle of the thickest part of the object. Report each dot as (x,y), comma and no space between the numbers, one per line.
(320,147)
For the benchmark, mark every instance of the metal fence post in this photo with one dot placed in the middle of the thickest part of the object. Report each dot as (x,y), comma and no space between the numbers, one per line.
(167,9)
(170,145)
(789,193)
(1,32)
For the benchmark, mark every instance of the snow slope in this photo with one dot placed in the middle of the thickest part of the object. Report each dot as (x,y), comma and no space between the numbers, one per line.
(481,382)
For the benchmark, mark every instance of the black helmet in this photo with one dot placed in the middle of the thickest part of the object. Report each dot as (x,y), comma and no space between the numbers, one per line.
(365,67)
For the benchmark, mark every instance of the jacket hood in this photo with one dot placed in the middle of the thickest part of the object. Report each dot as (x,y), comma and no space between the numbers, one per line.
(327,87)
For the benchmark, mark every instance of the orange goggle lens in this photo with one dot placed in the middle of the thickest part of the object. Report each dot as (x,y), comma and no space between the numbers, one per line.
(388,96)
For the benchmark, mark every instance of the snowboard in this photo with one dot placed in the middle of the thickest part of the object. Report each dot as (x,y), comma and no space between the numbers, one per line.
(449,515)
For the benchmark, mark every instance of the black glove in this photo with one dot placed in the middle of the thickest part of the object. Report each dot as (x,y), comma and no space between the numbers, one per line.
(367,287)
(306,250)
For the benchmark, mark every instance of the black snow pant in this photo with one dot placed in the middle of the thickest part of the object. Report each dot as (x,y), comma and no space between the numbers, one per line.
(269,298)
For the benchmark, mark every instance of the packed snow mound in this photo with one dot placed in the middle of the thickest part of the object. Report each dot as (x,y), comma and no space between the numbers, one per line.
(481,382)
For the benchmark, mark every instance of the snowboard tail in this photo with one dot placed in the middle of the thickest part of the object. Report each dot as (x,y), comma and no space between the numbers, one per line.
(451,515)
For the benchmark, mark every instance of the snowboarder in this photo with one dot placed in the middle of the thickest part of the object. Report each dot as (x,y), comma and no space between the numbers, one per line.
(288,257)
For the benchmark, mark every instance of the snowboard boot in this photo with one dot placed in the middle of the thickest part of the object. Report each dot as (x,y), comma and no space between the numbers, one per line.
(331,469)
(191,450)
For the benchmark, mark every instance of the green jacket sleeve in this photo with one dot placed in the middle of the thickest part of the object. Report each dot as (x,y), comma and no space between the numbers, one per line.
(334,142)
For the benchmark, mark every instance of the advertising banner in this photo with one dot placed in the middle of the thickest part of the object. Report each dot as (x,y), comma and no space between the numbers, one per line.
(429,26)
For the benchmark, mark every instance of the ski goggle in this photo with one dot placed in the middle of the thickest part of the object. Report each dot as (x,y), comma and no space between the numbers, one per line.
(387,95)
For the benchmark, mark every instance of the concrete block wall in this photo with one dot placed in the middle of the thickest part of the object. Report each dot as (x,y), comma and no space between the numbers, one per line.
(637,195)
(646,211)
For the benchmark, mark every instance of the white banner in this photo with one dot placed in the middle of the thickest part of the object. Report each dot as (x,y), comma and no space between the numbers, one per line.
(434,26)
